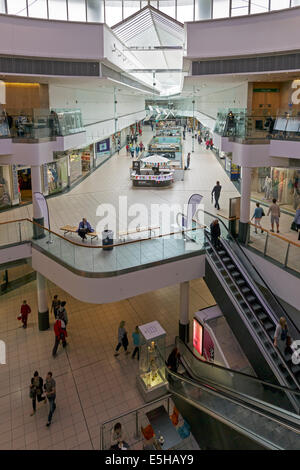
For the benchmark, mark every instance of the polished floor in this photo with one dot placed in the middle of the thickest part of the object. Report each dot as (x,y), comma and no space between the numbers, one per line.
(92,385)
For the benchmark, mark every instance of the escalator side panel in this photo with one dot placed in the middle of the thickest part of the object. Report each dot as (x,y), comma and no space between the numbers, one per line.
(246,341)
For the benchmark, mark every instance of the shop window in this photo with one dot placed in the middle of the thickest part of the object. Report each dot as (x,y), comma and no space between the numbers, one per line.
(203,9)
(38,9)
(239,7)
(76,10)
(279,4)
(57,9)
(131,7)
(113,12)
(259,6)
(167,7)
(220,8)
(95,11)
(17,8)
(185,10)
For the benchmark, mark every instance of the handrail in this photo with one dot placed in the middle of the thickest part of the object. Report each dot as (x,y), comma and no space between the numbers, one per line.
(99,246)
(292,242)
(282,388)
(254,268)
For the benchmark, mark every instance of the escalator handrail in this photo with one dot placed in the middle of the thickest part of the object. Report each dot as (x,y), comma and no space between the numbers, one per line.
(284,313)
(281,388)
(269,414)
(278,352)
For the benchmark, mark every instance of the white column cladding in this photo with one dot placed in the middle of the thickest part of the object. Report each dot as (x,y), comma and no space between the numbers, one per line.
(36,185)
(42,298)
(245,204)
(184,311)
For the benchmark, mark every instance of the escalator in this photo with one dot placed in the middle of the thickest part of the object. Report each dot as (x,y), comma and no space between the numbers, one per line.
(247,406)
(251,310)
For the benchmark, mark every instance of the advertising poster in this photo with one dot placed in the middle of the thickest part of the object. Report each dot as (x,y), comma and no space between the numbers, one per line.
(198,336)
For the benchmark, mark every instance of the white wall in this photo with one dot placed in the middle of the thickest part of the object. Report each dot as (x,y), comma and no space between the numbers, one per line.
(96,103)
(277,31)
(21,36)
(235,97)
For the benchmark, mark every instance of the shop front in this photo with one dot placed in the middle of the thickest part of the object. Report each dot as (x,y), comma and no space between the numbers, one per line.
(6,187)
(24,182)
(282,184)
(56,176)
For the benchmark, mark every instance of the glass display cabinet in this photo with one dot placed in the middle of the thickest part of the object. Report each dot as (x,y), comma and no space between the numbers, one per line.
(151,379)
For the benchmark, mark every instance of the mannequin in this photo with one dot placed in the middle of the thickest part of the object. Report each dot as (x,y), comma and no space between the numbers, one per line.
(268,187)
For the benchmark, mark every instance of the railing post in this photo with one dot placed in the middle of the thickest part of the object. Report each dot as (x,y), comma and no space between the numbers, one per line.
(102,439)
(287,255)
(266,244)
(137,424)
(20,231)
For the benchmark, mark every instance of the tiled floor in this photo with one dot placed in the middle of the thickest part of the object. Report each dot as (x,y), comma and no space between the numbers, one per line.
(92,384)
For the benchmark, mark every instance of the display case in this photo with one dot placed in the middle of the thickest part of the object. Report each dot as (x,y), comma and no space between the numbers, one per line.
(151,378)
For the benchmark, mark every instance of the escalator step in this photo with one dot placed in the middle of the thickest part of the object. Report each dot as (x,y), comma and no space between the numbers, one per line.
(256,307)
(268,325)
(236,274)
(262,316)
(222,252)
(230,266)
(250,298)
(245,290)
(240,282)
(226,259)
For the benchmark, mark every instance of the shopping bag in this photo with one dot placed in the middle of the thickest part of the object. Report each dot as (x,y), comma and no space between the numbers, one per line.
(294,227)
(19,317)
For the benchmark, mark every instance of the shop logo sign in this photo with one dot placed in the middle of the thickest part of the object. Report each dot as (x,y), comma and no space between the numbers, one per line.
(2,352)
(295,346)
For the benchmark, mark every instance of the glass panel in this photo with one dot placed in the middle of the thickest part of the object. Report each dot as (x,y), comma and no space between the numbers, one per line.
(295,3)
(2,6)
(294,258)
(154,4)
(95,11)
(130,7)
(144,4)
(16,8)
(38,9)
(113,12)
(57,9)
(203,9)
(279,4)
(220,8)
(77,10)
(259,6)
(239,7)
(185,10)
(168,7)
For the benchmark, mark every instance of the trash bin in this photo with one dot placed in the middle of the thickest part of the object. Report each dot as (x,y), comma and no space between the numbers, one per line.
(107,239)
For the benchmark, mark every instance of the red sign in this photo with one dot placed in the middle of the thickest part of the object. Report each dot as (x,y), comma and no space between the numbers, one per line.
(198,337)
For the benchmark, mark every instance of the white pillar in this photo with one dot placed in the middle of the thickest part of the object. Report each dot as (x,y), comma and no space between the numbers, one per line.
(36,186)
(42,298)
(245,203)
(184,317)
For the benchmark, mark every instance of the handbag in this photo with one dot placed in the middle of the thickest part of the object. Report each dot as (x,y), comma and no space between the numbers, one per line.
(19,317)
(294,226)
(263,213)
(31,393)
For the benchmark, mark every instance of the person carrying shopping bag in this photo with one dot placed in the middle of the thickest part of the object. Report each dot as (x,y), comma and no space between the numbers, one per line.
(122,338)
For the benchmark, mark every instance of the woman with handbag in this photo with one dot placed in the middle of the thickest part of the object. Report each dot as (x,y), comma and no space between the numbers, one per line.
(36,391)
(257,216)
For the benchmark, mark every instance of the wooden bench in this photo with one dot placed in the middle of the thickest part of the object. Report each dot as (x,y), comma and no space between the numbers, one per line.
(138,229)
(72,229)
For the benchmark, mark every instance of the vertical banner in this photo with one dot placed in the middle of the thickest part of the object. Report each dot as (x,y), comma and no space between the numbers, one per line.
(193,204)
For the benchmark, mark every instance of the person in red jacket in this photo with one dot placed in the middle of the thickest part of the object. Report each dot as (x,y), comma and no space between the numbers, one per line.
(25,311)
(60,334)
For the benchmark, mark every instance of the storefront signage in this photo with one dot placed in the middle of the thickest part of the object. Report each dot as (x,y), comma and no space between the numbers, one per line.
(266,90)
(103,146)
(136,165)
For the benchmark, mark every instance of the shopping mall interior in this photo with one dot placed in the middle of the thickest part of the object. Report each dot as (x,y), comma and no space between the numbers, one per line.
(149,225)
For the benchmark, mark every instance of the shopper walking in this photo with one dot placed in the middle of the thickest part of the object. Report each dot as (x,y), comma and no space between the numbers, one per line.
(50,392)
(141,146)
(136,343)
(132,151)
(36,391)
(122,338)
(60,335)
(137,150)
(62,312)
(215,233)
(173,360)
(188,160)
(118,148)
(216,193)
(127,149)
(274,210)
(282,334)
(257,216)
(25,311)
(55,305)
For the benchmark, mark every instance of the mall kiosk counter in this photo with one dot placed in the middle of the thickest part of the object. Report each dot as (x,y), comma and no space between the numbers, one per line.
(169,131)
(151,171)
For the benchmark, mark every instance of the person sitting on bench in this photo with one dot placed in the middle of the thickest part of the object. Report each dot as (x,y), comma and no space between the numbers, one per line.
(84,228)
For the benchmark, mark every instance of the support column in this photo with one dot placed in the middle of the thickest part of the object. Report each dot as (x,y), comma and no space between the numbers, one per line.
(36,186)
(43,311)
(245,204)
(184,319)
